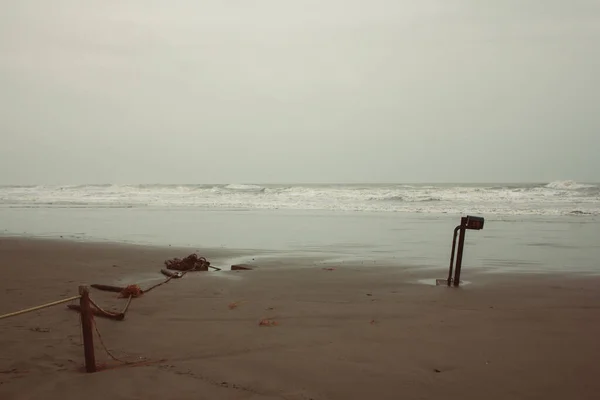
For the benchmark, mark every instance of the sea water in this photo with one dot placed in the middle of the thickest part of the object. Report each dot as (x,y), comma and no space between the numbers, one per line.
(556,198)
(529,227)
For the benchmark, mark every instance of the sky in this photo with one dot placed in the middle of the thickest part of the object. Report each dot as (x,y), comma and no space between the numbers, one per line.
(311,91)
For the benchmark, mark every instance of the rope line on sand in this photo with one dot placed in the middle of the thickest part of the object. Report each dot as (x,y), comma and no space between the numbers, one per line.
(28,310)
(92,302)
(141,362)
(127,305)
(168,280)
(160,284)
(110,313)
(104,346)
(188,264)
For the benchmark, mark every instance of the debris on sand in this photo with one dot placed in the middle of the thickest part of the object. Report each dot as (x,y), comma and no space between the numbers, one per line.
(241,267)
(267,322)
(190,263)
(171,274)
(131,291)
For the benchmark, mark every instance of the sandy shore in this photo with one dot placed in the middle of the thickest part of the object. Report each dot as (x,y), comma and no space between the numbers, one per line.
(349,333)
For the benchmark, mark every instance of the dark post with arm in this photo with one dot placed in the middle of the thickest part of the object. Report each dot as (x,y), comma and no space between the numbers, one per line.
(459,253)
(468,222)
(86,327)
(452,255)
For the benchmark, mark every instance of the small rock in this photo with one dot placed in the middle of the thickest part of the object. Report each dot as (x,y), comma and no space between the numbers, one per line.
(437,371)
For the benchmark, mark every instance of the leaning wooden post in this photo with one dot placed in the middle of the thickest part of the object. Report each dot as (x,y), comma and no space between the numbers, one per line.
(86,326)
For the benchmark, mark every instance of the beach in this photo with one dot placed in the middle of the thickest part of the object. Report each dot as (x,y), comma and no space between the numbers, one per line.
(343,331)
(383,200)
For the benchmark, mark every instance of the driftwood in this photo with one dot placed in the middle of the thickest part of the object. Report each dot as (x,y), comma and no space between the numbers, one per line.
(241,267)
(108,288)
(171,274)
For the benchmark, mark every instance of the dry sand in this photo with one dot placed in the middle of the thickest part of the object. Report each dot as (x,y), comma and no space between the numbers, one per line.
(351,333)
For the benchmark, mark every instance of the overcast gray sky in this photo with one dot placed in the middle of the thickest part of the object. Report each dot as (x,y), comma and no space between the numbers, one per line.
(189,91)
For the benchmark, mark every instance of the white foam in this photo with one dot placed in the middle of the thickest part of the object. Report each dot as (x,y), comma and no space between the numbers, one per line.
(567,185)
(247,188)
(552,199)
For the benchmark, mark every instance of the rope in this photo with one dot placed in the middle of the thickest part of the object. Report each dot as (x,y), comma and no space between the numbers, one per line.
(175,264)
(110,313)
(92,302)
(127,305)
(104,346)
(162,283)
(131,290)
(143,361)
(54,303)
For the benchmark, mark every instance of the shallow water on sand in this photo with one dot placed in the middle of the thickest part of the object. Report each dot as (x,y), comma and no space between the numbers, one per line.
(510,244)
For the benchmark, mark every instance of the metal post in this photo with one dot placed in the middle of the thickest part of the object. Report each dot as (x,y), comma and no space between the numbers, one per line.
(459,255)
(452,255)
(86,326)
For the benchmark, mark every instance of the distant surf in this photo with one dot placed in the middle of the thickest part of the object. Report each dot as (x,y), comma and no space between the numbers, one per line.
(553,198)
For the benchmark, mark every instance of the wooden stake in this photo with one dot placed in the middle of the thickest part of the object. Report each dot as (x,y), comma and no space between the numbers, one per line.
(86,326)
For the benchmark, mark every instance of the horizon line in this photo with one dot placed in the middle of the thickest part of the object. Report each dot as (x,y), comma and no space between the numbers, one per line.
(298,183)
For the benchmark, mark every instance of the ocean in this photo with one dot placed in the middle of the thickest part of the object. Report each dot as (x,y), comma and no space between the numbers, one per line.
(556,198)
(533,227)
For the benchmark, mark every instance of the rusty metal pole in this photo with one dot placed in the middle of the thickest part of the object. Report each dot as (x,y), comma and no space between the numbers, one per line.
(459,254)
(86,326)
(452,255)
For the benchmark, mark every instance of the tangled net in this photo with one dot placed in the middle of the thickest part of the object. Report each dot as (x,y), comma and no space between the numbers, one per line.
(190,263)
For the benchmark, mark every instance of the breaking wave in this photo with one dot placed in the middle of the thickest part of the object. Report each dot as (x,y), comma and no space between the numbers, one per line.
(555,198)
(568,185)
(245,188)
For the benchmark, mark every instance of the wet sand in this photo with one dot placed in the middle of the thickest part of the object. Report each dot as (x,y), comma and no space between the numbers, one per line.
(353,332)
